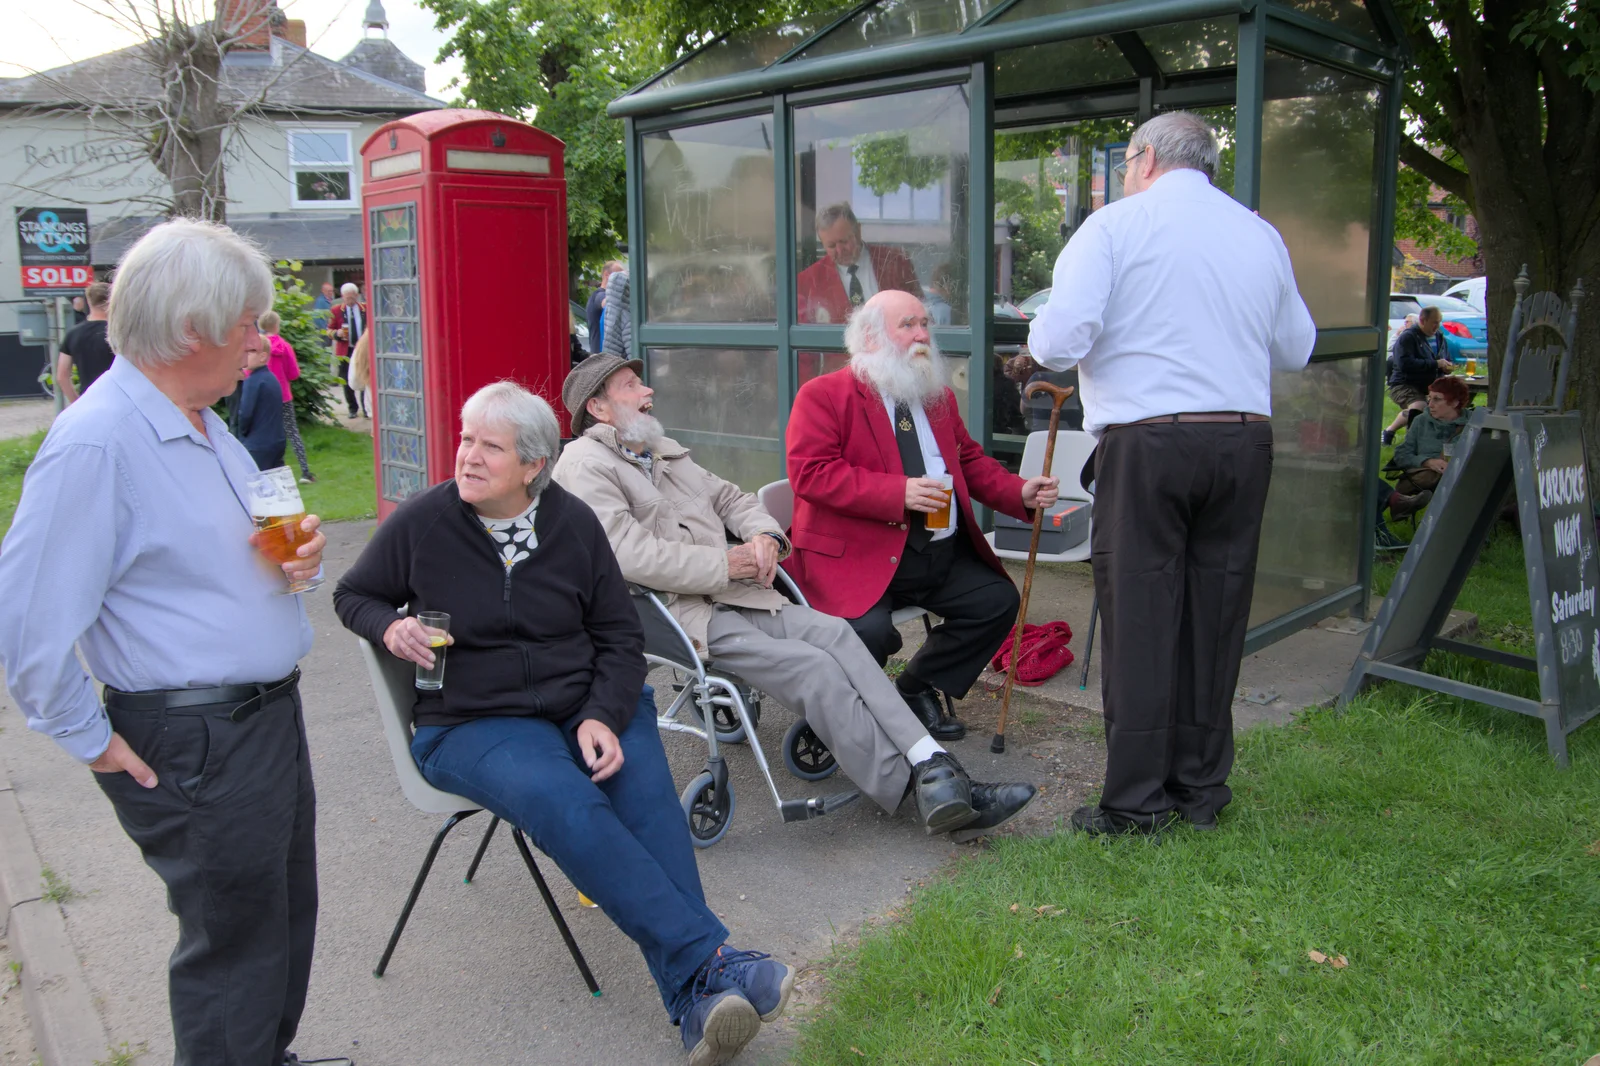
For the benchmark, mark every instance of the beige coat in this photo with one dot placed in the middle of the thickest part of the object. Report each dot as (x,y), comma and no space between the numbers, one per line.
(668,530)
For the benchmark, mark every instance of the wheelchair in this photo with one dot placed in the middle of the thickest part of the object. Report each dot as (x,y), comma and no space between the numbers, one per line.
(726,711)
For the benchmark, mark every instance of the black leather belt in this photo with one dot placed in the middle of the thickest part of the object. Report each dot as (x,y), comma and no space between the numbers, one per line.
(249,698)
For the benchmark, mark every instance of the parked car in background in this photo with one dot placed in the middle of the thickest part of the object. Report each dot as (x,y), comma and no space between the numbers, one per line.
(580,320)
(1473,291)
(1031,305)
(1466,334)
(1004,309)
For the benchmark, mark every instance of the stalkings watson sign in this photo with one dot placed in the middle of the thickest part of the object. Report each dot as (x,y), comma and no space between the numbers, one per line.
(55,249)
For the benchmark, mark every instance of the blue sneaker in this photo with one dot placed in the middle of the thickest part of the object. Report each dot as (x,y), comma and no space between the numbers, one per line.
(763,980)
(718,1027)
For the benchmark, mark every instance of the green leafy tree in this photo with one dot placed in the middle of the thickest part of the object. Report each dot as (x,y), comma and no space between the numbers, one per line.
(316,383)
(1501,113)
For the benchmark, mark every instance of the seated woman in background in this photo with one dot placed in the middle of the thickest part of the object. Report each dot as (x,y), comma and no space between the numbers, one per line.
(541,718)
(1421,457)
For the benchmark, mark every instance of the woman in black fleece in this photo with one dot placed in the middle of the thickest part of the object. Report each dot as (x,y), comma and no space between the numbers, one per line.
(541,718)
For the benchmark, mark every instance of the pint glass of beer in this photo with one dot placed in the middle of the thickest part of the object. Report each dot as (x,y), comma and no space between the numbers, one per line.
(940,519)
(437,625)
(277,512)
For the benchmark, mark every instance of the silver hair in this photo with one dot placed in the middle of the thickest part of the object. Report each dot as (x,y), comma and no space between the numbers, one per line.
(833,213)
(185,281)
(1178,139)
(867,330)
(505,403)
(348,288)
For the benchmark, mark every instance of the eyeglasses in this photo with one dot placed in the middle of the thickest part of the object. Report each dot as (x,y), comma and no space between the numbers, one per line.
(1121,169)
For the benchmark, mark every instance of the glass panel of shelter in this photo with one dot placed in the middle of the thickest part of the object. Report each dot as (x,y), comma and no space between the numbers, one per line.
(881,186)
(746,50)
(1349,15)
(710,233)
(896,21)
(1319,130)
(722,403)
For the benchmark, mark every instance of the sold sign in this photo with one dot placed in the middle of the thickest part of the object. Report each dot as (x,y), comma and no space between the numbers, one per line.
(63,277)
(54,242)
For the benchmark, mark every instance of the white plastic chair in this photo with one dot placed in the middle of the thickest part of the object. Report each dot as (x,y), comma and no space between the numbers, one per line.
(1073,448)
(394,686)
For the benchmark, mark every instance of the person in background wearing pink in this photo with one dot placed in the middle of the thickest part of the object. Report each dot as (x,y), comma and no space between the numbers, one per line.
(286,368)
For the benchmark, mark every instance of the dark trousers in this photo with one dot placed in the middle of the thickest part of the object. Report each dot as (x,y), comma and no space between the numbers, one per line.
(623,842)
(978,605)
(1177,521)
(351,398)
(231,829)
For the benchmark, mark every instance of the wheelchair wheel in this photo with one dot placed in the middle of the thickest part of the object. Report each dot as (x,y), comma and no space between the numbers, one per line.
(709,814)
(729,729)
(805,755)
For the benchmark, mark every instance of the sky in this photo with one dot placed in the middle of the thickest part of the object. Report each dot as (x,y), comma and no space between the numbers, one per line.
(41,36)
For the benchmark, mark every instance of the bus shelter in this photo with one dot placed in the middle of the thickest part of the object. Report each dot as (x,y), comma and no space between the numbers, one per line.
(971,137)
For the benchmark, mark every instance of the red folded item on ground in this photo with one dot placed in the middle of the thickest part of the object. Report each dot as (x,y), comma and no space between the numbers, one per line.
(1044,653)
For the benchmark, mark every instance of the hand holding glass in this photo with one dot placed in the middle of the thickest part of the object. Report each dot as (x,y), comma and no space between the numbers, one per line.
(940,519)
(436,624)
(277,511)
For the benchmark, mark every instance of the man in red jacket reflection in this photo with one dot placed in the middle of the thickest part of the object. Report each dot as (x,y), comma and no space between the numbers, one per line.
(867,446)
(851,272)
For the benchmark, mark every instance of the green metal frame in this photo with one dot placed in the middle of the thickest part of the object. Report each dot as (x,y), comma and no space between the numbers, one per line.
(968,58)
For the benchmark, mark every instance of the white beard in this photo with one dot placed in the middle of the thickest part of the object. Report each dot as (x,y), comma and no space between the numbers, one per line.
(912,375)
(641,432)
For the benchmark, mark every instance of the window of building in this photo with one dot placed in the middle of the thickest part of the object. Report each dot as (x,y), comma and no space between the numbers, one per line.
(321,171)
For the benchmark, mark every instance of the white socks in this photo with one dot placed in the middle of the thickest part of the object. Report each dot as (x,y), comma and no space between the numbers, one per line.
(923,750)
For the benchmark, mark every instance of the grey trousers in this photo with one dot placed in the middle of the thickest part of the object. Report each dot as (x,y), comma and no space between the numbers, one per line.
(815,665)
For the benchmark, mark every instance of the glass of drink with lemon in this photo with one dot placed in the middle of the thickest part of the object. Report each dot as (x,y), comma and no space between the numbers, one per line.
(436,624)
(277,511)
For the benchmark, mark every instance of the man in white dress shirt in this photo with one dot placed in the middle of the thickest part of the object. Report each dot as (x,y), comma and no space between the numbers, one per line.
(1176,303)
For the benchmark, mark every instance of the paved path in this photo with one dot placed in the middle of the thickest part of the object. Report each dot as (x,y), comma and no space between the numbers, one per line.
(18,418)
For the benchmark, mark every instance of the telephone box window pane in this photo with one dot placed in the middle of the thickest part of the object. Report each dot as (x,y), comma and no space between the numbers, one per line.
(401,375)
(1319,130)
(392,224)
(397,301)
(400,262)
(397,338)
(1314,501)
(710,232)
(313,185)
(402,412)
(402,447)
(399,482)
(722,404)
(881,186)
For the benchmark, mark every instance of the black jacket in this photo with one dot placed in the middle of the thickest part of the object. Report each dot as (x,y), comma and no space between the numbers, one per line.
(257,417)
(557,637)
(1414,359)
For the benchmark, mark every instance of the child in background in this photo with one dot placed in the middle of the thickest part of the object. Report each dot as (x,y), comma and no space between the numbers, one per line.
(286,368)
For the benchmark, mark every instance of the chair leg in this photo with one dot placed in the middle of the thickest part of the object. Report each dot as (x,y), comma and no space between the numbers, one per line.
(555,912)
(416,887)
(1088,644)
(483,846)
(949,704)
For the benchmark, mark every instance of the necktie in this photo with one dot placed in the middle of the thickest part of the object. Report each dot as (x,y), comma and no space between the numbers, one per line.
(905,437)
(856,296)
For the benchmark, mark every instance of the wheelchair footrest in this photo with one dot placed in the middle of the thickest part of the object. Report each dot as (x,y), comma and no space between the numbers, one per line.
(816,806)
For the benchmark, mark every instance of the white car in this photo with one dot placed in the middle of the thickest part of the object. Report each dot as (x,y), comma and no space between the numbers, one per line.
(1473,291)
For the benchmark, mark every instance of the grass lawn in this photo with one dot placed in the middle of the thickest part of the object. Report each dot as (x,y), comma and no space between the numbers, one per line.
(342,461)
(1427,844)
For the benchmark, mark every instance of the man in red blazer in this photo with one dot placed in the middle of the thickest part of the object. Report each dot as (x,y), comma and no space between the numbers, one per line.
(845,278)
(346,323)
(864,483)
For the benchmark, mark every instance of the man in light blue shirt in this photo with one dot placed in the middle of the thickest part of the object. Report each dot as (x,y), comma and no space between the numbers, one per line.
(133,543)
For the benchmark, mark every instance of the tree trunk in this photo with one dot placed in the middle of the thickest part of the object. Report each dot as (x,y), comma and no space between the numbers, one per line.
(188,146)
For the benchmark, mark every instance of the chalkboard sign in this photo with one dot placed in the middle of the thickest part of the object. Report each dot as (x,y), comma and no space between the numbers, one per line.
(1566,557)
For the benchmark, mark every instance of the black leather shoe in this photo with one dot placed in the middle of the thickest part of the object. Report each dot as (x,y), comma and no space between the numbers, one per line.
(1203,823)
(929,709)
(1096,822)
(996,805)
(944,793)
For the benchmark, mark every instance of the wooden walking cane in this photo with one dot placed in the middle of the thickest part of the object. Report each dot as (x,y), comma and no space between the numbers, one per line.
(1058,396)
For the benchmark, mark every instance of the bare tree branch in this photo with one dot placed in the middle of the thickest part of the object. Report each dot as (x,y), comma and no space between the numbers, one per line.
(1436,170)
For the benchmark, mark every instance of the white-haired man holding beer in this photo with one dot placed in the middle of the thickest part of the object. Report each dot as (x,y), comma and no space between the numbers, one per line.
(133,542)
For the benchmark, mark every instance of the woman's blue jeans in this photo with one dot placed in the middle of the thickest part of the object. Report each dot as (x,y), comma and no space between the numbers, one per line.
(623,842)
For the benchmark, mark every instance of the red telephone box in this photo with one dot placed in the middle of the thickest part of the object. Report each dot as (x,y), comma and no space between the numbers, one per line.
(465,223)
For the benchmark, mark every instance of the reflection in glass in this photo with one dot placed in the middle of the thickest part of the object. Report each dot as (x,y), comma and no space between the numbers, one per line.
(881,202)
(709,228)
(722,404)
(1059,65)
(1029,9)
(1312,542)
(746,50)
(329,185)
(1185,46)
(1346,14)
(1318,132)
(898,21)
